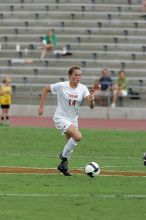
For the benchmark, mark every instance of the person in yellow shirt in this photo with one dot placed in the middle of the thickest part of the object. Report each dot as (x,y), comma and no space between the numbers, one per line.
(5,100)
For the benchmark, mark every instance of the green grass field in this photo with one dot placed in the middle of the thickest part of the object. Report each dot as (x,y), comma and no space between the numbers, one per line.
(53,196)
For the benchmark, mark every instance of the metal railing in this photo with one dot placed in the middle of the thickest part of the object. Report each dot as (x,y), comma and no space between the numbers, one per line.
(30,94)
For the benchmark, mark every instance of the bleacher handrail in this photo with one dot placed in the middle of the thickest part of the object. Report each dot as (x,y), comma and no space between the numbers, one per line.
(110,4)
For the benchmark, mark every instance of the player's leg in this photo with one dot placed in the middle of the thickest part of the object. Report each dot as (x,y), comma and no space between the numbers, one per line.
(144,157)
(7,114)
(2,115)
(73,137)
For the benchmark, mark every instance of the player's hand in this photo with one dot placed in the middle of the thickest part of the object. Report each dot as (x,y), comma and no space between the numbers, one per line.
(40,111)
(91,100)
(91,97)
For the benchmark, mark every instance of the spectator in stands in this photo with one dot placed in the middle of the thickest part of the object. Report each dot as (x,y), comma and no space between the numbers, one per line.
(5,100)
(120,89)
(103,88)
(49,42)
(95,87)
(144,6)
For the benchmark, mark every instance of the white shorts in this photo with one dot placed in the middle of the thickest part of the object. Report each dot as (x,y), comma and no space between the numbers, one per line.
(123,92)
(63,124)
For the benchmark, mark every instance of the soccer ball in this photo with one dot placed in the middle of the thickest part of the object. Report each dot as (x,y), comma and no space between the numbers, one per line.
(92,169)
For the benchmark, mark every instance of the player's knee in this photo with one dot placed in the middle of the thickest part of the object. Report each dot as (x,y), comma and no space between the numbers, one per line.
(78,137)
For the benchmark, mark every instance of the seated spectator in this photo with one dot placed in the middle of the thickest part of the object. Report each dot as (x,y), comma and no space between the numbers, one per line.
(103,93)
(49,42)
(144,6)
(95,87)
(120,89)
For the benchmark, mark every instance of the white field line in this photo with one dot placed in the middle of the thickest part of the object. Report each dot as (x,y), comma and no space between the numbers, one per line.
(34,174)
(133,196)
(80,156)
(38,168)
(118,166)
(54,174)
(78,168)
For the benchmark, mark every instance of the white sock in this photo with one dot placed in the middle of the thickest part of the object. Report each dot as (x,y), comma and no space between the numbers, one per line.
(68,149)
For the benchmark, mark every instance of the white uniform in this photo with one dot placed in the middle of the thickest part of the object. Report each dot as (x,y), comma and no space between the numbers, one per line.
(69,100)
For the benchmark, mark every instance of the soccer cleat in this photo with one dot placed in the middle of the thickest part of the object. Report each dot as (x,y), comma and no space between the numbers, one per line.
(63,166)
(144,157)
(62,169)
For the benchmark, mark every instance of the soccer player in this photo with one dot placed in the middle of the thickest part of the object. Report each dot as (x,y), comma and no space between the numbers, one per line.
(144,157)
(5,100)
(70,95)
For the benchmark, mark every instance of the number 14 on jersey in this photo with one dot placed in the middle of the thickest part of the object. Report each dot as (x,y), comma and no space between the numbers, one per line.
(72,102)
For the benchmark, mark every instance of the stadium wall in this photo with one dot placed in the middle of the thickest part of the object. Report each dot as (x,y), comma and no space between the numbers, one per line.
(85,112)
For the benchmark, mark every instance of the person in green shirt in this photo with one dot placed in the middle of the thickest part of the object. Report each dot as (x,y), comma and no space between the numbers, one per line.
(49,42)
(120,88)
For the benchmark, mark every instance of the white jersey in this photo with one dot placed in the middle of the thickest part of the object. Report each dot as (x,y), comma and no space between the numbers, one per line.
(69,99)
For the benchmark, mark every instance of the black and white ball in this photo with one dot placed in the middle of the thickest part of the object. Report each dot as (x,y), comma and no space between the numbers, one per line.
(92,169)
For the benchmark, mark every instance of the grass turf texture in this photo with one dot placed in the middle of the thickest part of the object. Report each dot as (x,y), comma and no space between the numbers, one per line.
(28,196)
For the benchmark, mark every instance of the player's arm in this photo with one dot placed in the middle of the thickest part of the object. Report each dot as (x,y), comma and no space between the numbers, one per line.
(11,91)
(44,94)
(90,99)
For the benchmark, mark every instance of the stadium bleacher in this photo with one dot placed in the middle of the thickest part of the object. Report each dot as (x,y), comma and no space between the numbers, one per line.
(100,34)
